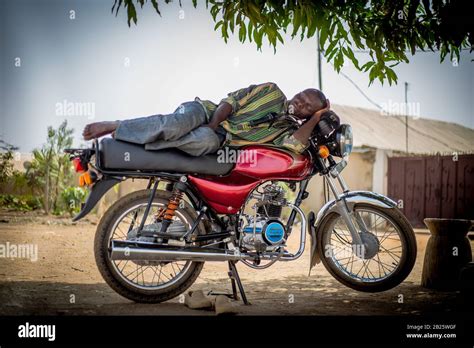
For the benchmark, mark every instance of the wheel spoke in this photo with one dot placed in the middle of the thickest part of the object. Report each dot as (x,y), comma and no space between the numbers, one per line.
(389,253)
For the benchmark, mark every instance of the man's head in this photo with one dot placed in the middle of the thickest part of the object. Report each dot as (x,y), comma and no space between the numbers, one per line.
(306,103)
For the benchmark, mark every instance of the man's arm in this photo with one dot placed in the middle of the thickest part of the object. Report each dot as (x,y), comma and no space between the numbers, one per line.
(304,132)
(222,112)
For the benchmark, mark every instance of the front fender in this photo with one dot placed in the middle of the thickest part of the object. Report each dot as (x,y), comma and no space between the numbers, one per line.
(351,198)
(97,191)
(354,197)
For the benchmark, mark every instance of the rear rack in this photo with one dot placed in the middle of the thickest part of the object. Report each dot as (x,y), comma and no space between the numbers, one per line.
(84,153)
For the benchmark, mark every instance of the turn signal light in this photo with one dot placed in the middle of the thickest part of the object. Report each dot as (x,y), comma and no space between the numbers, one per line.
(86,179)
(323,151)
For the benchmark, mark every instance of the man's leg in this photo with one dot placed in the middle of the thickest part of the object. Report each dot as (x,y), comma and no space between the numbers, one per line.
(186,117)
(198,142)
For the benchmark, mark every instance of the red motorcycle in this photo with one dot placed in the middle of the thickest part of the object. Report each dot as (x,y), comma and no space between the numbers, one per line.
(151,245)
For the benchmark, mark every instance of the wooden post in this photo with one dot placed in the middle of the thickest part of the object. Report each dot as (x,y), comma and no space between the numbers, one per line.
(447,251)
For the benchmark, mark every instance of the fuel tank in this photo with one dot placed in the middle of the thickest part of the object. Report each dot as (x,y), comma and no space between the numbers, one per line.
(253,165)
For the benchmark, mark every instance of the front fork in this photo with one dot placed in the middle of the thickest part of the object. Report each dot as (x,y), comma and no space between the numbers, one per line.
(344,210)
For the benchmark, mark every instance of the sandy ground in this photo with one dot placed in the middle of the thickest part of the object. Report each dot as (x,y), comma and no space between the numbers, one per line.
(66,270)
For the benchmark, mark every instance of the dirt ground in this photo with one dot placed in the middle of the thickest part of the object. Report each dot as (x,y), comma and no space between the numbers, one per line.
(66,271)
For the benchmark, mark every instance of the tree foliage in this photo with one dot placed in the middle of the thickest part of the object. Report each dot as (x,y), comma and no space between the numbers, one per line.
(6,161)
(50,170)
(385,29)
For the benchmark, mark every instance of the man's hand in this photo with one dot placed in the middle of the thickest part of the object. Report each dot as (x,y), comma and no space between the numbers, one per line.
(222,112)
(304,132)
(320,112)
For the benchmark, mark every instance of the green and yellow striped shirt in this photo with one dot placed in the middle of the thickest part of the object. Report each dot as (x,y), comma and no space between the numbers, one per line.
(250,105)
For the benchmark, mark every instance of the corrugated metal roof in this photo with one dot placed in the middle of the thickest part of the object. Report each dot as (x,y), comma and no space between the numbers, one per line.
(373,129)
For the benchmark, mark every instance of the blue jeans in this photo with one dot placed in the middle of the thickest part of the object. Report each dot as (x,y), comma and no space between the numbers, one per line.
(182,130)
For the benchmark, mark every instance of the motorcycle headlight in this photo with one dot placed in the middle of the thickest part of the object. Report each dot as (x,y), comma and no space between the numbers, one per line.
(344,139)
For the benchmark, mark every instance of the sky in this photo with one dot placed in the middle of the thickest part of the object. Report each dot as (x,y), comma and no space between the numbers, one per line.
(88,65)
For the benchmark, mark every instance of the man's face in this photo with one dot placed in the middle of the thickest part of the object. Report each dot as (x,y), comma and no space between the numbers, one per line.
(304,104)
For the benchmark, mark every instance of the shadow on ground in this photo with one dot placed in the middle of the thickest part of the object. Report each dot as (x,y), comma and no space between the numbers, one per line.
(288,296)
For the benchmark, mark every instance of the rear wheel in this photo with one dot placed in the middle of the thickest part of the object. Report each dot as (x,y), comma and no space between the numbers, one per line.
(386,258)
(142,281)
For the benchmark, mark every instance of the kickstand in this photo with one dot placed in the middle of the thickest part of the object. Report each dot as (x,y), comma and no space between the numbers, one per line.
(234,278)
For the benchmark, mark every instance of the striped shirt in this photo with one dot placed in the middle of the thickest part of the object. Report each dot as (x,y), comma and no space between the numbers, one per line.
(249,122)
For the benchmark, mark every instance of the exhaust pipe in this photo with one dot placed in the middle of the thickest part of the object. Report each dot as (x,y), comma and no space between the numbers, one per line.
(122,250)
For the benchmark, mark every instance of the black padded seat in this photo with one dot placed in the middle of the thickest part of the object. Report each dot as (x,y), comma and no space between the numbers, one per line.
(120,155)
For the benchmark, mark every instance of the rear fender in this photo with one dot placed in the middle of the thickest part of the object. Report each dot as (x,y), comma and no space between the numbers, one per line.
(98,190)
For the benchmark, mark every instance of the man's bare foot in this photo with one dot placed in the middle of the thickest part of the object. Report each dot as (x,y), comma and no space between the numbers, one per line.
(98,129)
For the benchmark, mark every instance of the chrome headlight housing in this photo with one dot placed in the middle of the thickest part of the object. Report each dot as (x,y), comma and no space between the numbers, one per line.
(344,140)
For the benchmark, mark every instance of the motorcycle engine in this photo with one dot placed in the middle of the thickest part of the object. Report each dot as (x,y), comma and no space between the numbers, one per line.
(264,231)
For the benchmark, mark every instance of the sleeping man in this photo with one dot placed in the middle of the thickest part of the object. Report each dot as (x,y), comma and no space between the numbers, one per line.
(253,115)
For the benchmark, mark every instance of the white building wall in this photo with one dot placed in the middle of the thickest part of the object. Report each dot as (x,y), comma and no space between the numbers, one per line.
(379,177)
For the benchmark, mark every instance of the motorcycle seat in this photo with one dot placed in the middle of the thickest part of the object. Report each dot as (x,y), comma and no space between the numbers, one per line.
(124,156)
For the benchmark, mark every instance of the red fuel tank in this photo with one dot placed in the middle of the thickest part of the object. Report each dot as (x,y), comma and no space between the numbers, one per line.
(254,165)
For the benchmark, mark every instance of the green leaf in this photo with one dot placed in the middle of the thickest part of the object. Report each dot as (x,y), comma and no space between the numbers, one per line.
(296,22)
(355,36)
(155,5)
(323,34)
(214,11)
(367,66)
(271,34)
(242,32)
(257,36)
(341,32)
(331,54)
(218,24)
(132,13)
(224,33)
(312,25)
(338,61)
(391,75)
(279,37)
(250,31)
(350,54)
(373,74)
(255,12)
(331,46)
(231,17)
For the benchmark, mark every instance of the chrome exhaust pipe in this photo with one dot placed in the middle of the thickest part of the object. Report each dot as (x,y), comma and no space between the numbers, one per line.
(121,250)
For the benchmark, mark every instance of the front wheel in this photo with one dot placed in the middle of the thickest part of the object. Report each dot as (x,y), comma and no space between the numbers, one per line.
(385,258)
